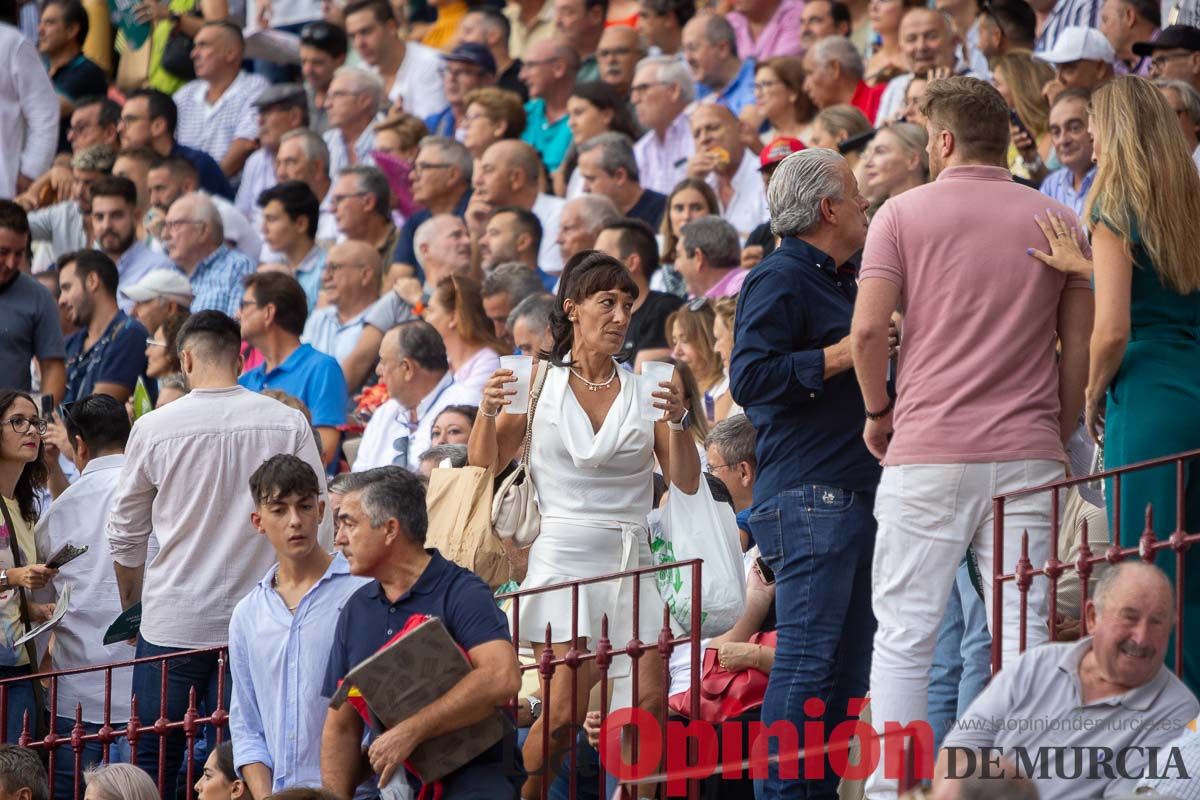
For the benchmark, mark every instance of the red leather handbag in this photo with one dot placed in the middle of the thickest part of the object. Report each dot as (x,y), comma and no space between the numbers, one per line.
(724,694)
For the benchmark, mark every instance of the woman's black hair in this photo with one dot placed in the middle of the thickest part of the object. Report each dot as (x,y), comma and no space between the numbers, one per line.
(34,475)
(224,755)
(470,412)
(588,272)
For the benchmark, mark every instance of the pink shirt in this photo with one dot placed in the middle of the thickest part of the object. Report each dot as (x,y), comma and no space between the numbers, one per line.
(977,377)
(728,286)
(779,37)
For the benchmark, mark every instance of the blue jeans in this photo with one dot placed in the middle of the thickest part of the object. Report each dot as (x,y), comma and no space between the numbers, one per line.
(182,675)
(819,540)
(20,700)
(91,755)
(962,659)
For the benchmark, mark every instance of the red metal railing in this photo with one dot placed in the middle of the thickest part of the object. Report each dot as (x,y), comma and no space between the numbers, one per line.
(1147,549)
(132,729)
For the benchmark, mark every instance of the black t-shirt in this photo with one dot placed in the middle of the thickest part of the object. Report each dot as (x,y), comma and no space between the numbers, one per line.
(647,328)
(77,79)
(510,79)
(649,208)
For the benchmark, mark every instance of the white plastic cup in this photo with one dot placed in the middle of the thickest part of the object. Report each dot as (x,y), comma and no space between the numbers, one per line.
(653,373)
(522,367)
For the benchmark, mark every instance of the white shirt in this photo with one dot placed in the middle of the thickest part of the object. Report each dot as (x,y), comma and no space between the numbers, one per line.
(258,175)
(77,517)
(213,128)
(186,478)
(61,225)
(28,112)
(748,208)
(339,155)
(548,209)
(418,84)
(390,423)
(476,370)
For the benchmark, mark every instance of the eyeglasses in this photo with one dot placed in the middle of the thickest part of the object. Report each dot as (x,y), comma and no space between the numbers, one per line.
(172,224)
(616,52)
(23,424)
(642,88)
(541,62)
(79,127)
(1158,62)
(459,72)
(242,305)
(322,35)
(338,198)
(154,343)
(697,304)
(421,166)
(129,119)
(762,86)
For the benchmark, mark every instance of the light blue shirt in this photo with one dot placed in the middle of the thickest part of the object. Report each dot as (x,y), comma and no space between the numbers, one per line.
(326,333)
(278,662)
(1060,185)
(737,95)
(308,274)
(136,263)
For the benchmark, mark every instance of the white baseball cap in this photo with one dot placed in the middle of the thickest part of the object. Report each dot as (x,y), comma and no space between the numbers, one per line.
(1077,43)
(161,283)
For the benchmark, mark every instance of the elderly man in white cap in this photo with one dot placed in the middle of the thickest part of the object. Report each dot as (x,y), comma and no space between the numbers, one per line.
(1082,59)
(158,295)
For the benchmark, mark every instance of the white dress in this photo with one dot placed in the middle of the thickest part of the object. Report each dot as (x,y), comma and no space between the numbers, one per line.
(594,491)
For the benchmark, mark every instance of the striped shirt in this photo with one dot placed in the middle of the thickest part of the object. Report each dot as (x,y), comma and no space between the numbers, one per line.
(1060,185)
(217,281)
(1065,14)
(212,128)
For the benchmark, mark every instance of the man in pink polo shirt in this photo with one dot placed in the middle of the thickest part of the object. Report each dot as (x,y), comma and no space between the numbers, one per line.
(983,404)
(708,256)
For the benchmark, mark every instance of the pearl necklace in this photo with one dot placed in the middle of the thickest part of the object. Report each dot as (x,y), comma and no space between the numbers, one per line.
(595,387)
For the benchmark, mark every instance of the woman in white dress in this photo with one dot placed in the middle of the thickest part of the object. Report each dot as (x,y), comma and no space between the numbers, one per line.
(591,463)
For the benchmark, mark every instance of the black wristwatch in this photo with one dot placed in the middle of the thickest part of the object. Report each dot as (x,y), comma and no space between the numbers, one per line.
(875,415)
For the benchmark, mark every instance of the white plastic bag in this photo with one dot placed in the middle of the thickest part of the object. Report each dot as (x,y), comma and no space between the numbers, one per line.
(696,526)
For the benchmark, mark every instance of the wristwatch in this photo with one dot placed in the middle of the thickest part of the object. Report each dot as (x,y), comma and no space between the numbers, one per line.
(684,423)
(3,579)
(535,706)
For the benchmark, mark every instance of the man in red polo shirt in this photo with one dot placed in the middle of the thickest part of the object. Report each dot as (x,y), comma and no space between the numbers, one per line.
(834,74)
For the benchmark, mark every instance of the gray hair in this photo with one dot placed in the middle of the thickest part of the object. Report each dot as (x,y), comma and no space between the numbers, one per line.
(1188,96)
(457,453)
(421,342)
(672,70)
(372,181)
(513,278)
(536,308)
(455,152)
(800,183)
(121,782)
(616,152)
(1108,579)
(717,30)
(596,210)
(734,438)
(206,211)
(362,82)
(338,483)
(20,768)
(714,237)
(392,493)
(311,143)
(427,231)
(841,50)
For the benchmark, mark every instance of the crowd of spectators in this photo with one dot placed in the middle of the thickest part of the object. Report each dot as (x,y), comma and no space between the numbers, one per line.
(262,266)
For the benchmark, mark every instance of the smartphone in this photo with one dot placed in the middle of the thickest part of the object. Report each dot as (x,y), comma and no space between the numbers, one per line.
(48,407)
(764,571)
(1015,119)
(66,554)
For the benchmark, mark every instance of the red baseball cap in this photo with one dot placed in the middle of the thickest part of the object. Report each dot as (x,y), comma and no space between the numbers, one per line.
(778,150)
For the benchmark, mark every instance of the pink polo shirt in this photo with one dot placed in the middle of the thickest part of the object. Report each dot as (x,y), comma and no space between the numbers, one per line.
(779,37)
(977,379)
(728,286)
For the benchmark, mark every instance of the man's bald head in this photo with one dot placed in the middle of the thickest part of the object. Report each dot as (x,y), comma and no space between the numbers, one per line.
(927,39)
(1130,618)
(354,253)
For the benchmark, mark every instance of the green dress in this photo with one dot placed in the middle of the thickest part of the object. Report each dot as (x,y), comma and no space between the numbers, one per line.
(1154,410)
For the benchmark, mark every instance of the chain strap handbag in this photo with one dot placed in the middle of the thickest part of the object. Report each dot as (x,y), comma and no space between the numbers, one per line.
(515,513)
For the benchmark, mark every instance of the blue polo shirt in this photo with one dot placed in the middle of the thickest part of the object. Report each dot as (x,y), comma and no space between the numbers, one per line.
(794,304)
(466,607)
(550,139)
(311,376)
(738,94)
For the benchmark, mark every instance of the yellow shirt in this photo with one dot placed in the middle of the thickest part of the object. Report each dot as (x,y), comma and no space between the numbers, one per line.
(445,31)
(10,601)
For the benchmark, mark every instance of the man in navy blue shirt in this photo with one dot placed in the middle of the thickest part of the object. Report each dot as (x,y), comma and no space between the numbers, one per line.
(381,525)
(107,354)
(815,488)
(148,120)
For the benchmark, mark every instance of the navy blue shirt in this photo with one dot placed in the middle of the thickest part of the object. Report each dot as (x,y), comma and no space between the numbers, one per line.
(405,252)
(465,605)
(212,179)
(649,208)
(792,305)
(119,357)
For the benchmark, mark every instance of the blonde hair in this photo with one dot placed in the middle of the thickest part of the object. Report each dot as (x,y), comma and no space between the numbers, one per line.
(1146,179)
(843,117)
(726,309)
(1025,77)
(121,782)
(697,326)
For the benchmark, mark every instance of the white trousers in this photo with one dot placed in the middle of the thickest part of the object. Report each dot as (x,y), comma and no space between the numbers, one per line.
(927,516)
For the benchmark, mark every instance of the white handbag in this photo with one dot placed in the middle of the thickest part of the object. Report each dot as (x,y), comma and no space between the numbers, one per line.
(515,513)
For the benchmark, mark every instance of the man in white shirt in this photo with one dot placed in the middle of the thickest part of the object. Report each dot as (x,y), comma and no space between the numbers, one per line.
(98,428)
(411,72)
(28,113)
(661,93)
(350,282)
(413,366)
(216,111)
(928,42)
(352,102)
(184,481)
(508,174)
(728,166)
(304,156)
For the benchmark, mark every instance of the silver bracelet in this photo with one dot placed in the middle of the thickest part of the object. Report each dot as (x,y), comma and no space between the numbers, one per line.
(489,416)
